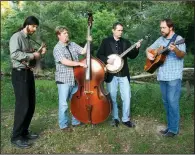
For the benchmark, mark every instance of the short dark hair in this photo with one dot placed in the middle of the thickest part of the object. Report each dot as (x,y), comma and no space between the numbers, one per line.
(169,22)
(31,20)
(115,24)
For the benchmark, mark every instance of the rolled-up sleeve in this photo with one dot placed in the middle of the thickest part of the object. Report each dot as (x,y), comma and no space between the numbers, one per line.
(181,47)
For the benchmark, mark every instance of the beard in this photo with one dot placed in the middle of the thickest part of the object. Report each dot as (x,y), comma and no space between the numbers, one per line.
(29,31)
(164,34)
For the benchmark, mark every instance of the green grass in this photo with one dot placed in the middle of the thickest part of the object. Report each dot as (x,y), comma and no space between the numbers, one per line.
(146,110)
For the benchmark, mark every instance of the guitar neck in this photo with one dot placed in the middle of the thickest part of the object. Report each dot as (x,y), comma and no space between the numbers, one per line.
(129,49)
(166,48)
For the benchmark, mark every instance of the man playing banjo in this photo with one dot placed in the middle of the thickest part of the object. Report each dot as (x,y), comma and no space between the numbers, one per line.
(116,45)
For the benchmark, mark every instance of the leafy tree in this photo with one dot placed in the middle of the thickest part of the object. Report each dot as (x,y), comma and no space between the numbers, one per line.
(138,17)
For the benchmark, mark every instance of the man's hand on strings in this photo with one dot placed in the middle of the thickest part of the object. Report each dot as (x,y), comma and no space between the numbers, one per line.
(37,55)
(89,38)
(138,44)
(172,47)
(110,61)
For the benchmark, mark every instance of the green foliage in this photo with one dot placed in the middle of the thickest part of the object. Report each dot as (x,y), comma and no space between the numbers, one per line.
(138,17)
(189,60)
(5,64)
(102,26)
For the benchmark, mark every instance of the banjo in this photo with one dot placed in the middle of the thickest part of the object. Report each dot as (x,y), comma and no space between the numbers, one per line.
(118,63)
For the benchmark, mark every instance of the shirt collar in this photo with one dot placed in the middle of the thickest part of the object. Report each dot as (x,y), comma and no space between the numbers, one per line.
(24,34)
(170,37)
(62,44)
(115,40)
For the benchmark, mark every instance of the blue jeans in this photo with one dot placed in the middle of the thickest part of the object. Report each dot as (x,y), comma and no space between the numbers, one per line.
(125,92)
(171,91)
(65,92)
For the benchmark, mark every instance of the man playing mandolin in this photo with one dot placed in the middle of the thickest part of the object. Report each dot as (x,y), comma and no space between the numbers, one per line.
(23,81)
(116,45)
(169,74)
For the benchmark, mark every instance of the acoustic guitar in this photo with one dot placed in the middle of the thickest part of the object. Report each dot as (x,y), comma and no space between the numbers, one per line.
(160,57)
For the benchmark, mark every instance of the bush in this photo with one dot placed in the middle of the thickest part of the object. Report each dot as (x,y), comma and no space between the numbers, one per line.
(189,60)
(5,64)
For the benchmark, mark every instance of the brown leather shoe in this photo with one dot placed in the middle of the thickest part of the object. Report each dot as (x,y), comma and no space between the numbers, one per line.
(78,125)
(67,129)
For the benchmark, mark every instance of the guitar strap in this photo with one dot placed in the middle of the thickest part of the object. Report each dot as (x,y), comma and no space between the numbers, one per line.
(69,53)
(172,39)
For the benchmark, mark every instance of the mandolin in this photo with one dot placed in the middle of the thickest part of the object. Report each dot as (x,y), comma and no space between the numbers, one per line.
(32,63)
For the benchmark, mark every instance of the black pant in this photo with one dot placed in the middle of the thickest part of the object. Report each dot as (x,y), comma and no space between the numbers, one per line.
(24,89)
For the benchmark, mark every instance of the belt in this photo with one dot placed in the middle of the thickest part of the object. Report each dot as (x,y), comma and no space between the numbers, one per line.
(119,74)
(21,69)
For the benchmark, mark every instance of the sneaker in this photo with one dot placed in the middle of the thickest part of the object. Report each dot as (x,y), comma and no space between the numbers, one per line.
(129,124)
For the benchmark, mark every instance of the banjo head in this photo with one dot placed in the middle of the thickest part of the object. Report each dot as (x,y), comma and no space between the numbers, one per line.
(117,64)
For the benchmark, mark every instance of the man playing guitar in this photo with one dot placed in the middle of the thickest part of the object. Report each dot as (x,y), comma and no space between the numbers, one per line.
(169,74)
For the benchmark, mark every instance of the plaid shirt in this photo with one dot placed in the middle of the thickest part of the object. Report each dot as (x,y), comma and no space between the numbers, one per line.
(65,73)
(172,68)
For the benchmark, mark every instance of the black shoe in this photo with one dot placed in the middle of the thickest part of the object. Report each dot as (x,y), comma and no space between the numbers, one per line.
(21,143)
(163,131)
(129,124)
(169,134)
(116,121)
(31,136)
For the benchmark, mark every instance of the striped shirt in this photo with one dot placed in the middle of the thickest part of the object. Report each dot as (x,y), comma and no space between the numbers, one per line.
(172,68)
(65,73)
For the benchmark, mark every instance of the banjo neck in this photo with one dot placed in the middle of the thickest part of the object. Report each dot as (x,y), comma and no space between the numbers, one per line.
(133,46)
(129,49)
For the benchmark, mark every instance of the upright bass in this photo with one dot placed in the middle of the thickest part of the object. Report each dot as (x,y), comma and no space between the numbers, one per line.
(91,103)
